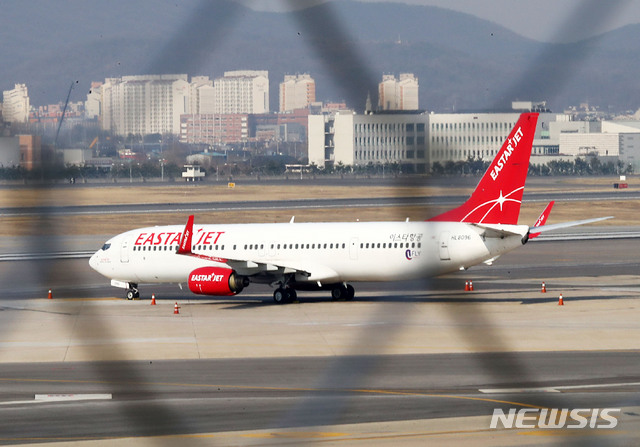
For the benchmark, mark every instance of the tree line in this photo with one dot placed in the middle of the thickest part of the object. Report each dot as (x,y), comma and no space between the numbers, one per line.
(276,166)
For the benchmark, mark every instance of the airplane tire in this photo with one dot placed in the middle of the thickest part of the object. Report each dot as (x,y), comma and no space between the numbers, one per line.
(338,293)
(351,292)
(131,294)
(280,296)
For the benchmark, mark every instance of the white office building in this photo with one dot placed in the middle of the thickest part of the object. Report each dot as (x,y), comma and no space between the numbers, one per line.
(15,104)
(357,140)
(147,104)
(460,136)
(244,91)
(297,92)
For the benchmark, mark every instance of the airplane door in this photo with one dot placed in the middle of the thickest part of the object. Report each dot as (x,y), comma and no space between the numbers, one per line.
(444,246)
(124,251)
(353,248)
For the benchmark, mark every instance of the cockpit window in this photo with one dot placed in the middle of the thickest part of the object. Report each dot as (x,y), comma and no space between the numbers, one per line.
(106,246)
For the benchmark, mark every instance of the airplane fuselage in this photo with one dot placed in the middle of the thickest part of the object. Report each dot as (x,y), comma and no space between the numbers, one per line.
(322,253)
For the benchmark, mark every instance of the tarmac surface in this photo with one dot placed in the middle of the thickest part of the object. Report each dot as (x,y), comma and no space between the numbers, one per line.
(405,363)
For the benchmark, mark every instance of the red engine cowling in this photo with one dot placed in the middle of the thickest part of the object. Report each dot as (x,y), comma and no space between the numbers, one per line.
(216,281)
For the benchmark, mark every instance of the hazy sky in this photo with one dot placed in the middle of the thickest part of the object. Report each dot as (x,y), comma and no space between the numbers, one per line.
(544,20)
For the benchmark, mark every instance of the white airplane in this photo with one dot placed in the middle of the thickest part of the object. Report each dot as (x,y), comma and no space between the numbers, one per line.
(221,260)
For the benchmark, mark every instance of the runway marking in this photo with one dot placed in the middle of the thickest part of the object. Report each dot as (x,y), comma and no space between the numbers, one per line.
(48,398)
(295,435)
(554,389)
(268,388)
(97,342)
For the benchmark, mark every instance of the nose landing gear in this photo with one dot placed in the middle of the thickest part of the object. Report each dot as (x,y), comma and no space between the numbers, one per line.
(132,292)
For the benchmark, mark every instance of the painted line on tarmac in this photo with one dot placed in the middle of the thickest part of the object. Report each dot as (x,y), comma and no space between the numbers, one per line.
(48,398)
(554,389)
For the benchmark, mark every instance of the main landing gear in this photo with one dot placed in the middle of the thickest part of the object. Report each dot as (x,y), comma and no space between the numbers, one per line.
(343,292)
(284,295)
(132,292)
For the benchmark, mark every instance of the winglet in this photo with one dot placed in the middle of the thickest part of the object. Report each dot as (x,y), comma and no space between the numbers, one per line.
(542,219)
(185,240)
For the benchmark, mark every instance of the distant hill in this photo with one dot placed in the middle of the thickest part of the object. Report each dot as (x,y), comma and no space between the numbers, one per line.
(462,62)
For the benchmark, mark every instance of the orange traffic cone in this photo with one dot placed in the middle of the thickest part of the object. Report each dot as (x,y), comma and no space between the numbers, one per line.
(470,286)
(176,309)
(50,296)
(466,286)
(560,301)
(544,288)
(153,299)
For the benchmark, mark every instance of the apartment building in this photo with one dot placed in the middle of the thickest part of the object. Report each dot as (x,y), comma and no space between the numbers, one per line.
(243,91)
(141,105)
(15,104)
(297,92)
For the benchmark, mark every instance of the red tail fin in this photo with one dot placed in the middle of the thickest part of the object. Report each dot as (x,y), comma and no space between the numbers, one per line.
(497,198)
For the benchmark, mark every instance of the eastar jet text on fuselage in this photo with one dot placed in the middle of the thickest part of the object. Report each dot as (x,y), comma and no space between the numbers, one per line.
(221,260)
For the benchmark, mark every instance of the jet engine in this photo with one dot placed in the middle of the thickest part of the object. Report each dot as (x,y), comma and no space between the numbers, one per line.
(218,281)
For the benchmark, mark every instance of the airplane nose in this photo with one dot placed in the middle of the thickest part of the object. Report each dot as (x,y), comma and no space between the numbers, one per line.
(93,261)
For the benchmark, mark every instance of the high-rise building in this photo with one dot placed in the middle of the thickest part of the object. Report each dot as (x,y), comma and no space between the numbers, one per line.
(92,104)
(202,96)
(147,104)
(398,94)
(297,92)
(243,91)
(16,104)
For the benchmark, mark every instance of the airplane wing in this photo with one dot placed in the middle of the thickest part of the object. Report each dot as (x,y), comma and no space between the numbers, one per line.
(498,231)
(540,229)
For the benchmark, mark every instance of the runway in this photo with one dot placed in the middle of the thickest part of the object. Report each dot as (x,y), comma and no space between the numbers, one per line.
(170,398)
(297,205)
(408,363)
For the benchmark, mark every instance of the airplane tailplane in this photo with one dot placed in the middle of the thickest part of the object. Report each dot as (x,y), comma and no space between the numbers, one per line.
(497,198)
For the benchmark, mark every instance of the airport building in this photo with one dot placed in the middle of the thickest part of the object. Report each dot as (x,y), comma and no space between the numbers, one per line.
(243,91)
(460,136)
(416,140)
(377,138)
(618,139)
(297,92)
